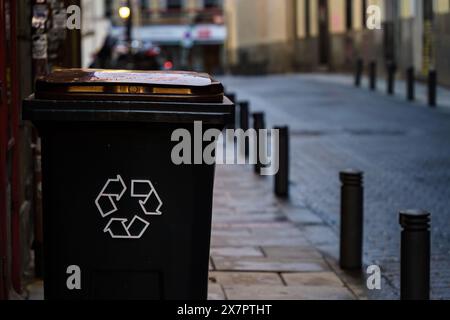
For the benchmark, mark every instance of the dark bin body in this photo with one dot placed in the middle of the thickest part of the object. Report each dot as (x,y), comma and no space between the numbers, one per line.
(85,143)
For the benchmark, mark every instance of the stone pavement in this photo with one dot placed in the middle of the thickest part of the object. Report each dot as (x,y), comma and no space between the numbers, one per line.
(258,253)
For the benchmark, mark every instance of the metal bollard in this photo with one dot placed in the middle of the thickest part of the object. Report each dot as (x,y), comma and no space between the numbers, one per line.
(231,96)
(358,73)
(373,75)
(243,115)
(282,176)
(244,121)
(432,84)
(258,124)
(391,69)
(352,212)
(410,84)
(415,255)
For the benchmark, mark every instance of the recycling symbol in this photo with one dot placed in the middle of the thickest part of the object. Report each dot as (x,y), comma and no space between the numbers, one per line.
(112,192)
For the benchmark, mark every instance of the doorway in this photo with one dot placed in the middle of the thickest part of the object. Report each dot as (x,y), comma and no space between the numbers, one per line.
(324,36)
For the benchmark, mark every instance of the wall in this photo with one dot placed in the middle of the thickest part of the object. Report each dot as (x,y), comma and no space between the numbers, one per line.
(263,42)
(94,29)
(306,56)
(442,46)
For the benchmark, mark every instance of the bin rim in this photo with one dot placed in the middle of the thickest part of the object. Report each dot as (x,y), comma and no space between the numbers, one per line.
(106,84)
(42,110)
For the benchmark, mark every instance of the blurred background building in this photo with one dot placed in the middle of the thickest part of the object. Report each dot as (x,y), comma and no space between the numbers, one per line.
(176,34)
(216,36)
(265,36)
(308,35)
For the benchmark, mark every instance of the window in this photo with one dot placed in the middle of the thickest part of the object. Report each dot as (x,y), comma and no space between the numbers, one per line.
(108,8)
(211,4)
(174,4)
(364,13)
(144,4)
(349,15)
(307,18)
(428,10)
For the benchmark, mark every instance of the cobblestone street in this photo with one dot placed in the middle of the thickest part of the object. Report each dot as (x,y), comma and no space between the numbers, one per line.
(402,147)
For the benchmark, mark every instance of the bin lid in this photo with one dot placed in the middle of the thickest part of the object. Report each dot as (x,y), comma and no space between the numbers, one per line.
(98,84)
(132,96)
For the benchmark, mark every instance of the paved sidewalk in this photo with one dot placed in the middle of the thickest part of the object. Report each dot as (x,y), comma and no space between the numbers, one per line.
(259,253)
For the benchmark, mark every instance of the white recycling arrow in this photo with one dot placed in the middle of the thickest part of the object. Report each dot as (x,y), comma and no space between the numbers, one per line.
(109,195)
(124,231)
(146,196)
(112,192)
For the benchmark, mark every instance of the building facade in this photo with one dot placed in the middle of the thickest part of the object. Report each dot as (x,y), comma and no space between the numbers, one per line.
(307,35)
(33,41)
(95,28)
(260,35)
(190,33)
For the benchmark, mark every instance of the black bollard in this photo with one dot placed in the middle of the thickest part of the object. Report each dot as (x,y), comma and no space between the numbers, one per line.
(351,219)
(358,72)
(282,176)
(410,79)
(432,84)
(231,96)
(391,69)
(258,124)
(243,115)
(415,255)
(244,121)
(373,75)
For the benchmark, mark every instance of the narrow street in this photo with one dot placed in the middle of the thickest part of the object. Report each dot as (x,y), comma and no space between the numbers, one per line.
(403,149)
(109,114)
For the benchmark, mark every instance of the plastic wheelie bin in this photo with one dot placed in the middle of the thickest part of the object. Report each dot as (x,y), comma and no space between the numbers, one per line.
(121,219)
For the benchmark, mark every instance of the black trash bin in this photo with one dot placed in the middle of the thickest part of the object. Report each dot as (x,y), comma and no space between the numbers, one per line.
(121,220)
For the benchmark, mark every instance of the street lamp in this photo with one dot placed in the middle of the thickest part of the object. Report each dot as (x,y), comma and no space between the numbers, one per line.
(126,14)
